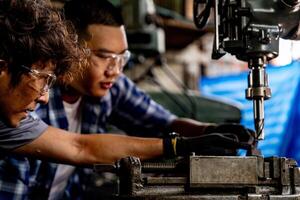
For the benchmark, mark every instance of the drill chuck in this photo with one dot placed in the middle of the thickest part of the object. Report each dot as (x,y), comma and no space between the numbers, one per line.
(258,91)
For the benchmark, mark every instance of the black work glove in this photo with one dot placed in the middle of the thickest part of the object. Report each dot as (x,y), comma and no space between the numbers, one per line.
(210,144)
(244,135)
(292,3)
(289,19)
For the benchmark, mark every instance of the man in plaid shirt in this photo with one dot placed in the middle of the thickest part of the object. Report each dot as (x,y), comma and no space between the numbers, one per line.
(101,95)
(125,106)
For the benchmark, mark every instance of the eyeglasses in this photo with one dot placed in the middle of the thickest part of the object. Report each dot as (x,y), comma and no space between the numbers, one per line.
(48,77)
(113,59)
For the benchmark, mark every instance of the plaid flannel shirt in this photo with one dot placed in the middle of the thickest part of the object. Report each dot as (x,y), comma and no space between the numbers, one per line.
(124,104)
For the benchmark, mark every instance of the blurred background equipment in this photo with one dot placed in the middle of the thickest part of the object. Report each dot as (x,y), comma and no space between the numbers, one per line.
(146,24)
(143,33)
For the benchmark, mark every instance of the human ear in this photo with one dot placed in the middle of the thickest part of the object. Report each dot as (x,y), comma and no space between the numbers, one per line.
(3,65)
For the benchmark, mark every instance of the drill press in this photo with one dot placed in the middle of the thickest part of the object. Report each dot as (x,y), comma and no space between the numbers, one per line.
(250,30)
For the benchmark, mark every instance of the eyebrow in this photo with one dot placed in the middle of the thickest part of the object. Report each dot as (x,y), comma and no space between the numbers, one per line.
(108,51)
(44,69)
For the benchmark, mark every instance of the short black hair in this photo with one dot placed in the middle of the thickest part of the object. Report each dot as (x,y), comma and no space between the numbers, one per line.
(31,31)
(86,12)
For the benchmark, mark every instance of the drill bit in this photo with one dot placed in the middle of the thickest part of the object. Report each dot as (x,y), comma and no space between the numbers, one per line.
(258,111)
(258,91)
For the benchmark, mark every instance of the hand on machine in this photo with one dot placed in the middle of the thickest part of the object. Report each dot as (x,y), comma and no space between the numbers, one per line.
(218,140)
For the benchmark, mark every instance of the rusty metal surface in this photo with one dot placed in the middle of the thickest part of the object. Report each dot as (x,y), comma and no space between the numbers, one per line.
(211,170)
(209,177)
(214,197)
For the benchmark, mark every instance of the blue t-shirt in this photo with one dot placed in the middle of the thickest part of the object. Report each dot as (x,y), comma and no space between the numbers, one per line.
(28,130)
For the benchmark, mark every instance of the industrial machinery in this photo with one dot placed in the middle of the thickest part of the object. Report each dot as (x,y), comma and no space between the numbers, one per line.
(207,177)
(142,33)
(250,30)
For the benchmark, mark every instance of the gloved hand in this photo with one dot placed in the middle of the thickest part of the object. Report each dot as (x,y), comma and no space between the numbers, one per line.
(210,144)
(291,3)
(244,135)
(288,18)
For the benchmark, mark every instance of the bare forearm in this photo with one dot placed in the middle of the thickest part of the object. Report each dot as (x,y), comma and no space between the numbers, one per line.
(108,148)
(61,146)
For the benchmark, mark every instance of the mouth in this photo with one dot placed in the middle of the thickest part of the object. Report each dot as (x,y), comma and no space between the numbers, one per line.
(28,110)
(106,85)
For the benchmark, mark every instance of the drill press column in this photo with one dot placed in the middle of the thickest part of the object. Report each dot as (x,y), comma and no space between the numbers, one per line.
(258,90)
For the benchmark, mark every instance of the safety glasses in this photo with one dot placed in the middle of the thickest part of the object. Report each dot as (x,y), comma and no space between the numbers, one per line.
(47,78)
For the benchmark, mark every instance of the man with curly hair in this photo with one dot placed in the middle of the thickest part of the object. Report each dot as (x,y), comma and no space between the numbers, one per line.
(34,41)
(36,48)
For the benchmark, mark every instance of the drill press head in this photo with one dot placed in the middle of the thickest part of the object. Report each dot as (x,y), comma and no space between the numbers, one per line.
(250,30)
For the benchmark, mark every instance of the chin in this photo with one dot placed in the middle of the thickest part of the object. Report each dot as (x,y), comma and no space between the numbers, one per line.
(13,122)
(99,93)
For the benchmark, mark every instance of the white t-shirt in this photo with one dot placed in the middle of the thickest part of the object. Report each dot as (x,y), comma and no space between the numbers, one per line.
(63,172)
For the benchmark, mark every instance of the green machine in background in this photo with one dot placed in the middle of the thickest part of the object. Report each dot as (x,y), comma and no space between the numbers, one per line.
(144,36)
(198,107)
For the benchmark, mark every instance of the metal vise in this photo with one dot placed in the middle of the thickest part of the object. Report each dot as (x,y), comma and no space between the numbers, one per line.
(208,177)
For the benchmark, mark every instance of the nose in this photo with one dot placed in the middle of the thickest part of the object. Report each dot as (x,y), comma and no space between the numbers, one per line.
(44,98)
(113,69)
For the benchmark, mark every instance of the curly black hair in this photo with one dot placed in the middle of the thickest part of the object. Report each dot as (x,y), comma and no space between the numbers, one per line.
(31,31)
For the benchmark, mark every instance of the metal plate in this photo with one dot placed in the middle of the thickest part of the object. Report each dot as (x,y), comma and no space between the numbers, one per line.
(210,171)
